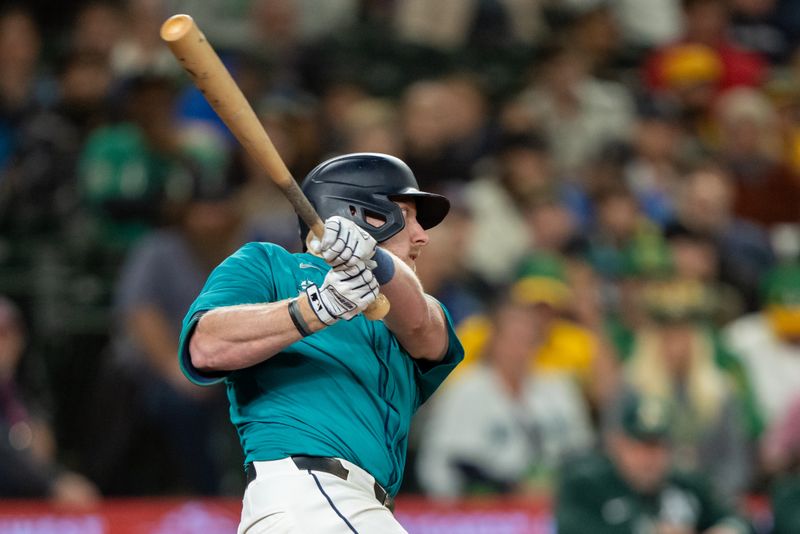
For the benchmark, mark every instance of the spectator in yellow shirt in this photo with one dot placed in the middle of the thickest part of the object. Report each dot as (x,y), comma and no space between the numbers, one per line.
(563,345)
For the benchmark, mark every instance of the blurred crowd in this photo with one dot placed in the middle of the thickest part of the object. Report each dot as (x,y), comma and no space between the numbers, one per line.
(625,181)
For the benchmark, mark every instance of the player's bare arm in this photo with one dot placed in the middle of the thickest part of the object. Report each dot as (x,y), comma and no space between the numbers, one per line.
(416,319)
(237,337)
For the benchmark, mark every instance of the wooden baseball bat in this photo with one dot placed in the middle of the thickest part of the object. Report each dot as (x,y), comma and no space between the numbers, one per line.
(206,70)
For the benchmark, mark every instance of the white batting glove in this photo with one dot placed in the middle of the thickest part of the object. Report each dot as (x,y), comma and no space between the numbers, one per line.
(344,244)
(345,293)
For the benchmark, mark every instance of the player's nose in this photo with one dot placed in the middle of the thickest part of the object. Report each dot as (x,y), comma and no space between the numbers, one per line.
(419,236)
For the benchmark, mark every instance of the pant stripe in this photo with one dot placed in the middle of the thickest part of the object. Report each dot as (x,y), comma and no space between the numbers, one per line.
(331,503)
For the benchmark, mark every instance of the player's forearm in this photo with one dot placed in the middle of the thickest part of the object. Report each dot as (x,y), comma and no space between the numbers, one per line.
(237,337)
(415,318)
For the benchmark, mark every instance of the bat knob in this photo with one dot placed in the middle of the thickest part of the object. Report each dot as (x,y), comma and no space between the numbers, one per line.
(378,309)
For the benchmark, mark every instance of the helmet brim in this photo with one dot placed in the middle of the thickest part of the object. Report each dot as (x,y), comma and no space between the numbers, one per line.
(431,208)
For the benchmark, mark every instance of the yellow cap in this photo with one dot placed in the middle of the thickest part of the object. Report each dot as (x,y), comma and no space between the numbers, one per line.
(691,64)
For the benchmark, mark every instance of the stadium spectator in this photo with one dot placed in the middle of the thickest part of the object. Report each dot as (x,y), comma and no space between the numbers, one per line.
(594,31)
(692,74)
(499,199)
(675,357)
(783,92)
(140,48)
(780,448)
(29,466)
(751,147)
(22,88)
(41,188)
(123,167)
(705,203)
(552,225)
(707,23)
(648,23)
(785,501)
(652,171)
(451,25)
(634,487)
(96,29)
(756,25)
(577,112)
(559,344)
(161,276)
(372,126)
(431,125)
(621,235)
(768,342)
(499,428)
(469,123)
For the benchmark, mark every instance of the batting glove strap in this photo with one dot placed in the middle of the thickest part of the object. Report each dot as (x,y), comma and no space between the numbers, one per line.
(318,305)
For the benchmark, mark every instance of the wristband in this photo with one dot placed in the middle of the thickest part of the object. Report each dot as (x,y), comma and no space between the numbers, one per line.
(384,270)
(297,318)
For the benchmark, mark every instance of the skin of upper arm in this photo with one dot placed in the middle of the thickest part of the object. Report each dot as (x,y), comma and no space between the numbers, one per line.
(424,335)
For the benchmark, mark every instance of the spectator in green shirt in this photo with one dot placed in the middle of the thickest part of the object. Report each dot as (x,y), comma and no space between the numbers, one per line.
(632,488)
(786,505)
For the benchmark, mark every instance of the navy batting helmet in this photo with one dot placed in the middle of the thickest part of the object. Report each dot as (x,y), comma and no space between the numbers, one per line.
(357,185)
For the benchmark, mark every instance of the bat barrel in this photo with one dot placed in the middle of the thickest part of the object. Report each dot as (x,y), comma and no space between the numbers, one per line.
(202,64)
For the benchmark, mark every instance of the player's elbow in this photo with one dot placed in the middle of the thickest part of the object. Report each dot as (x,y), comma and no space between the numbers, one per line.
(428,343)
(424,336)
(203,354)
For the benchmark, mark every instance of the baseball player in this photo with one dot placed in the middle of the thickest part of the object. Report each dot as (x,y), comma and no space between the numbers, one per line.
(322,397)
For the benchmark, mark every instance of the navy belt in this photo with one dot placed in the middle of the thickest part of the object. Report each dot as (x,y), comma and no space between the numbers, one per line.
(326,465)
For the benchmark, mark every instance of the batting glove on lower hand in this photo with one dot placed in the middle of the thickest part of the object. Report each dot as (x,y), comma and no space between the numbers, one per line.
(345,293)
(344,244)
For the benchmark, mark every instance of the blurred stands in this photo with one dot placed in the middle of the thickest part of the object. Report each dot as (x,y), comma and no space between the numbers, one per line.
(650,149)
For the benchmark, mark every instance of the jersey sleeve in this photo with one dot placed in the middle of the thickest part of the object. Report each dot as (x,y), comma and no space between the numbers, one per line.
(430,374)
(243,278)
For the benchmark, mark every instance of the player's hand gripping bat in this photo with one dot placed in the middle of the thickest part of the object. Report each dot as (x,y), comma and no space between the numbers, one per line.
(196,56)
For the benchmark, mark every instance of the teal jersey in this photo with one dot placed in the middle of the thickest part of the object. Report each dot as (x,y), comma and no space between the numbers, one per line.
(347,391)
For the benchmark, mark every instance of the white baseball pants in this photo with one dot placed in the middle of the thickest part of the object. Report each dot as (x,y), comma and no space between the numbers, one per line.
(284,499)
